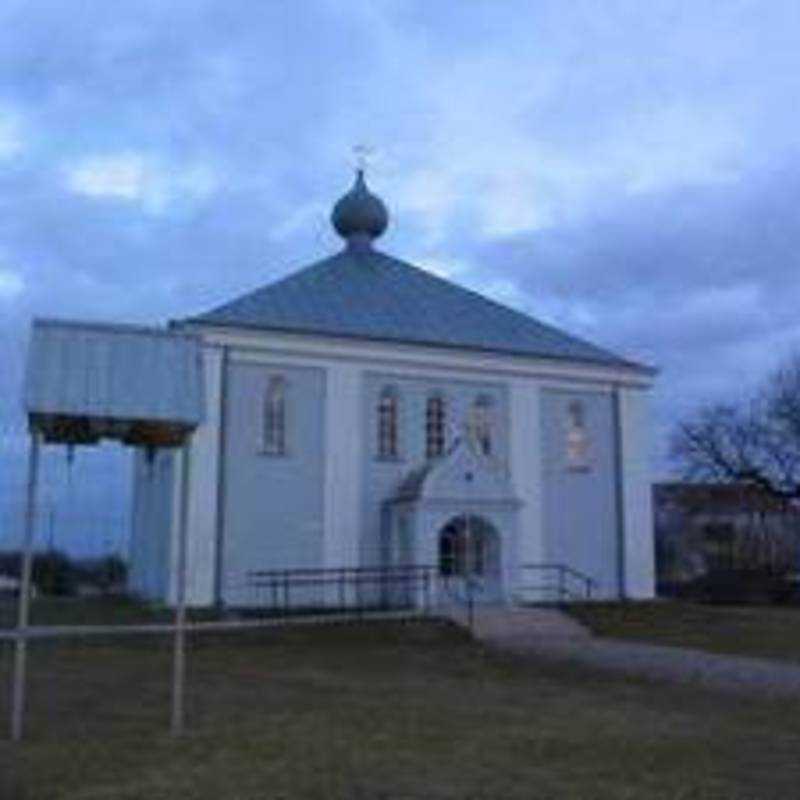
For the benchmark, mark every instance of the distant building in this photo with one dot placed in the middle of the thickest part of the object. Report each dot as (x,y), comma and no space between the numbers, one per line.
(702,527)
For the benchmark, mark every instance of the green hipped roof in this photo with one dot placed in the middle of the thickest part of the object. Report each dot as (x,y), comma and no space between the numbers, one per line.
(366,294)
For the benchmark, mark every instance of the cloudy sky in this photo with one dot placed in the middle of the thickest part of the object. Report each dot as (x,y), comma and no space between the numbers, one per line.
(629,171)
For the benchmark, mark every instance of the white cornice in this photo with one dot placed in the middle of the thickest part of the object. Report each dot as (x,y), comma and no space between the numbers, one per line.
(382,355)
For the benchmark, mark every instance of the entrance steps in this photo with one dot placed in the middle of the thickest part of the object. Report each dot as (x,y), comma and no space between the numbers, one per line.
(515,627)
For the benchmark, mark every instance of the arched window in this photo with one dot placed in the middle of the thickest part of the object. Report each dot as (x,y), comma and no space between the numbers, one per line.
(481,423)
(388,407)
(435,439)
(578,443)
(274,436)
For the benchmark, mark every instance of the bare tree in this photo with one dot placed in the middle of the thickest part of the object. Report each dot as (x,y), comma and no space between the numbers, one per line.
(754,445)
(756,442)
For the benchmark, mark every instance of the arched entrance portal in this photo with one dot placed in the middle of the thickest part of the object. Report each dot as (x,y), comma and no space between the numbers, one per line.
(469,549)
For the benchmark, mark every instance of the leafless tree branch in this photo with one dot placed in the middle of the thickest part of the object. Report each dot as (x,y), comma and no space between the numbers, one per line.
(757,442)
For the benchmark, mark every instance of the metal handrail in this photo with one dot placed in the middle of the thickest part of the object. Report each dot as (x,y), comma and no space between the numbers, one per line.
(276,587)
(362,588)
(467,597)
(562,572)
(400,568)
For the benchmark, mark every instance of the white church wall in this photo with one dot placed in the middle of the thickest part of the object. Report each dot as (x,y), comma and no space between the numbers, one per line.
(343,447)
(526,471)
(580,499)
(637,495)
(274,504)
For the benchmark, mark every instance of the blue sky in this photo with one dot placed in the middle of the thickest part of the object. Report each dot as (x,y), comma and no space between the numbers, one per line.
(628,171)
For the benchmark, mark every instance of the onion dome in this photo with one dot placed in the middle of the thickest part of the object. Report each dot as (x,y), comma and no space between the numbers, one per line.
(360,215)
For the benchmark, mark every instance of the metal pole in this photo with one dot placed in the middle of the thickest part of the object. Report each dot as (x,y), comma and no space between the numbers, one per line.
(469,566)
(179,640)
(23,603)
(619,494)
(219,545)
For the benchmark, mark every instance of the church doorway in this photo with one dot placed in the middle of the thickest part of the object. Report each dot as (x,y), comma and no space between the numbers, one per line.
(469,552)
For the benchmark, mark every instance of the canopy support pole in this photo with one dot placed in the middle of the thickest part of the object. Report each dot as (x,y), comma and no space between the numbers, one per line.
(23,602)
(179,640)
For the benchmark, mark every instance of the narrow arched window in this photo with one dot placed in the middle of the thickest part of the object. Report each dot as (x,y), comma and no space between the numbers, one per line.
(388,407)
(435,426)
(274,437)
(481,425)
(578,444)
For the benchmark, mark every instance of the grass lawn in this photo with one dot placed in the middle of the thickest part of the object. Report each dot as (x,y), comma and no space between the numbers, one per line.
(373,710)
(760,631)
(90,611)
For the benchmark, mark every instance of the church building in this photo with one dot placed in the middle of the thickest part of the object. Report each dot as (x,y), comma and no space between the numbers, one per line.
(365,413)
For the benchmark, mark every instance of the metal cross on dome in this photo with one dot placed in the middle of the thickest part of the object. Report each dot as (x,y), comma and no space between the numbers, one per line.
(363,154)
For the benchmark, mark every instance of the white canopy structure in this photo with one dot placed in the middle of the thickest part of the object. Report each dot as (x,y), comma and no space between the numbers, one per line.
(86,382)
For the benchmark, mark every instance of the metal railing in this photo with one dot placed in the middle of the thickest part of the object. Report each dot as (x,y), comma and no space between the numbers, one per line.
(417,588)
(558,582)
(354,589)
(463,592)
(412,589)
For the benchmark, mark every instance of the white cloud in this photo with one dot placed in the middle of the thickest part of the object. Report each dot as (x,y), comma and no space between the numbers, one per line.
(11,135)
(574,314)
(572,107)
(506,292)
(140,179)
(299,221)
(11,284)
(429,194)
(123,176)
(668,146)
(13,438)
(745,298)
(448,268)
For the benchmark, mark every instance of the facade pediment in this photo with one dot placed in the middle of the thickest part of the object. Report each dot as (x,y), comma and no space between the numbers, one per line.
(461,476)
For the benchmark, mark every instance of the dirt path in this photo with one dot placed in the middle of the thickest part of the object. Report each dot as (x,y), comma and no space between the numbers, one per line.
(550,633)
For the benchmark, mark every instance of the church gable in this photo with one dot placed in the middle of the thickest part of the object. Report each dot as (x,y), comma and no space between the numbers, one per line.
(461,475)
